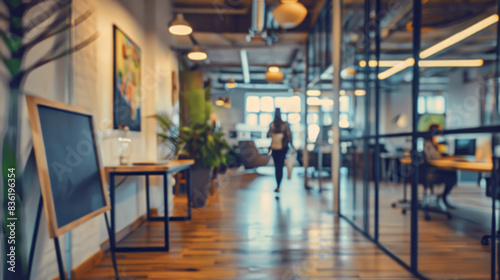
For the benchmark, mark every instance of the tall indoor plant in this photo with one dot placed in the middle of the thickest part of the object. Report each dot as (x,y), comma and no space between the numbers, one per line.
(21,35)
(169,135)
(208,148)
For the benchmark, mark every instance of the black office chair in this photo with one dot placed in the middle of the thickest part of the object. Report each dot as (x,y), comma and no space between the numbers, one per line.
(425,172)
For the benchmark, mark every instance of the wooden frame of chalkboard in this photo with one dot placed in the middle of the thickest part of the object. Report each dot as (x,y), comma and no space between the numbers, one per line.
(34,103)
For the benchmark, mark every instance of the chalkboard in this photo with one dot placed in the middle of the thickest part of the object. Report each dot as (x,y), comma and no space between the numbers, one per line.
(68,163)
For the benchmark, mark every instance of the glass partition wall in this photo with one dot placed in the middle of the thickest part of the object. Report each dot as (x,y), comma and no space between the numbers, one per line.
(418,113)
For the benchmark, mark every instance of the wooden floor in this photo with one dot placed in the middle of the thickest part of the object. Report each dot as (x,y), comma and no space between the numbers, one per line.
(247,232)
(448,249)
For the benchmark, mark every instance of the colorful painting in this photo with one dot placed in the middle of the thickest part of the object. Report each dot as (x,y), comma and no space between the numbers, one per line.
(127,82)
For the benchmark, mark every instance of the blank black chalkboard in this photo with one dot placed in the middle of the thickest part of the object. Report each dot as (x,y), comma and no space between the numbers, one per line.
(68,163)
(72,162)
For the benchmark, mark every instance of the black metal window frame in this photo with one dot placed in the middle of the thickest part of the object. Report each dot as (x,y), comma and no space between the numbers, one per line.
(367,136)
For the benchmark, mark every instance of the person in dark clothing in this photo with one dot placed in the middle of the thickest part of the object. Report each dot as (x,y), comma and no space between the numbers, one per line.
(281,135)
(435,175)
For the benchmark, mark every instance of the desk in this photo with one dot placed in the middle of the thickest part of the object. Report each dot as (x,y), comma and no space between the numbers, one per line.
(147,170)
(471,166)
(445,164)
(451,164)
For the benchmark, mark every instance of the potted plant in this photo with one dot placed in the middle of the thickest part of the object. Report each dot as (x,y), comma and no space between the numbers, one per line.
(168,136)
(207,148)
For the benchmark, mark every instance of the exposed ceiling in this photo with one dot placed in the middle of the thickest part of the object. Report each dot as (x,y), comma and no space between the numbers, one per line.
(440,20)
(221,27)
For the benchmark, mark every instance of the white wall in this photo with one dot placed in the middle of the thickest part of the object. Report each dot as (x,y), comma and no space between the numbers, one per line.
(89,85)
(463,108)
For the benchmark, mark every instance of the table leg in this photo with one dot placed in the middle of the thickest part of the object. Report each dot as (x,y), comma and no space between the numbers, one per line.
(148,208)
(188,190)
(165,202)
(189,198)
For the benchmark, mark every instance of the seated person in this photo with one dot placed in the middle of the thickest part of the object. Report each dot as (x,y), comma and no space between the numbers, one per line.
(435,175)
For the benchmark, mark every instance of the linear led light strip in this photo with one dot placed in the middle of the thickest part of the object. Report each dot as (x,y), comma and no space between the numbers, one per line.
(429,63)
(441,46)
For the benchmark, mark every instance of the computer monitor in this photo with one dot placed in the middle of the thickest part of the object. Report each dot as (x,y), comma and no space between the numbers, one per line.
(465,147)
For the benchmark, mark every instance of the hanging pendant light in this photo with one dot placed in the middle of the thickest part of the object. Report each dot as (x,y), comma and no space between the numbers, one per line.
(227,102)
(197,54)
(230,84)
(274,75)
(219,102)
(289,14)
(179,26)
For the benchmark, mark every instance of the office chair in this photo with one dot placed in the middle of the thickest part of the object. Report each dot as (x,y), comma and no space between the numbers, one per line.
(426,204)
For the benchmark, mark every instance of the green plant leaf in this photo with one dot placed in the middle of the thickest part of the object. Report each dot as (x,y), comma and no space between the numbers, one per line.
(164,121)
(13,43)
(14,65)
(162,135)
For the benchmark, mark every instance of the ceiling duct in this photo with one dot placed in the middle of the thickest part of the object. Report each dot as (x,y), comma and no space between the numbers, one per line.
(258,15)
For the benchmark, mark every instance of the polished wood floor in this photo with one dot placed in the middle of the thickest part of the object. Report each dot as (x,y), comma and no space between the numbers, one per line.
(248,232)
(448,249)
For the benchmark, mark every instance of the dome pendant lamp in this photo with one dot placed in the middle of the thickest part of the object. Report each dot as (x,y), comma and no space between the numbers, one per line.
(289,14)
(274,75)
(197,54)
(179,26)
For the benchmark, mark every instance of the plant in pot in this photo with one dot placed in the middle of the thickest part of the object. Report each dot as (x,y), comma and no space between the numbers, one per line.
(168,137)
(207,148)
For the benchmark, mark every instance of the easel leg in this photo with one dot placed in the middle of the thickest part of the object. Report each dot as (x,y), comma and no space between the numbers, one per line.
(35,235)
(112,243)
(112,251)
(60,263)
(165,203)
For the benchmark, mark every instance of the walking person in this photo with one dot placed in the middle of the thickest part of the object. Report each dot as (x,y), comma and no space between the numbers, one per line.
(281,135)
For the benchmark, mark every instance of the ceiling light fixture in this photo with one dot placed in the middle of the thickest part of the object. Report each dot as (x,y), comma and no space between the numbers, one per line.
(469,31)
(219,101)
(197,54)
(273,69)
(227,102)
(383,63)
(274,75)
(289,14)
(230,84)
(459,36)
(313,92)
(451,63)
(179,26)
(429,63)
(396,68)
(360,92)
(342,92)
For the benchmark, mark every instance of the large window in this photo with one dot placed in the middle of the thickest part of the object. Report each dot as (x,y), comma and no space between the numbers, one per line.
(259,109)
(431,104)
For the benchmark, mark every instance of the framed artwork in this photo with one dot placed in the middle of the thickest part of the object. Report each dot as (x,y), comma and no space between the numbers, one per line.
(126,82)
